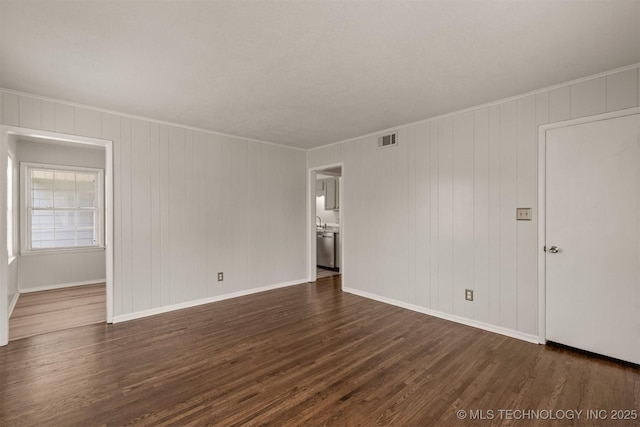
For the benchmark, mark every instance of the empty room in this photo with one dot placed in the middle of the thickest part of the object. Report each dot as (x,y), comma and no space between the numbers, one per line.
(336,213)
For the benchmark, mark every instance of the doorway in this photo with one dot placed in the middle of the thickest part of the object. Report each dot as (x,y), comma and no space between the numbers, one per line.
(100,247)
(590,232)
(325,222)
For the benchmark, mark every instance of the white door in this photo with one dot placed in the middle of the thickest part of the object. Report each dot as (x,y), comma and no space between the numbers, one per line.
(593,218)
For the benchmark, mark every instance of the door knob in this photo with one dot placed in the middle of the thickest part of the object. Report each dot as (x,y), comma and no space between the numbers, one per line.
(554,249)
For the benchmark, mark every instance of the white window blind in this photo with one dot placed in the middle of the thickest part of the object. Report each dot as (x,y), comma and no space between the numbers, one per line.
(63,207)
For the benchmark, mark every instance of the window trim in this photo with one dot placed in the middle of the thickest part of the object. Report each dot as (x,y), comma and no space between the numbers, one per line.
(25,200)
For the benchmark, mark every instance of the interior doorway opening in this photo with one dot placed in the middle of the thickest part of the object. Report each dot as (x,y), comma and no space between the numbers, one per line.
(60,236)
(325,225)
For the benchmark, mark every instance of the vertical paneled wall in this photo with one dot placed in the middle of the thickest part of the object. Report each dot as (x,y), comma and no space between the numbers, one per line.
(187,205)
(435,215)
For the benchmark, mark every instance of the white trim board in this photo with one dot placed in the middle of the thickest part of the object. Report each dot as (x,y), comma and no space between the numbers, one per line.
(202,301)
(542,208)
(14,301)
(61,286)
(457,319)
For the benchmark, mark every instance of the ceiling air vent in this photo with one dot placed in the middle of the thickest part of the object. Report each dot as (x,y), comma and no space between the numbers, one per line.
(390,140)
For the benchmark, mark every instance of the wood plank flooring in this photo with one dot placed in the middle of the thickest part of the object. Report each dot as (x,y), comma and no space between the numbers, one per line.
(324,272)
(54,310)
(303,355)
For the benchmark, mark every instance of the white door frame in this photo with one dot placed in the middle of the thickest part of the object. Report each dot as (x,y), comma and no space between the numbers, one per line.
(311,218)
(7,132)
(542,140)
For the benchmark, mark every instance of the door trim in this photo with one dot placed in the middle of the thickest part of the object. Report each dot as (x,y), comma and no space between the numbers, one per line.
(311,218)
(542,140)
(5,133)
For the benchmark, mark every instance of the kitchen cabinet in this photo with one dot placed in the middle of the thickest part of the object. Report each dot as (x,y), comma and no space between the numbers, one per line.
(330,189)
(331,194)
(319,188)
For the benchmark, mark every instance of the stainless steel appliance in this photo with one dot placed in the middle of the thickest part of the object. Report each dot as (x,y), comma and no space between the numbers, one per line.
(326,249)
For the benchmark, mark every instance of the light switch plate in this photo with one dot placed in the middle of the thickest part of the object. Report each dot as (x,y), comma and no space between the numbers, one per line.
(468,294)
(523,214)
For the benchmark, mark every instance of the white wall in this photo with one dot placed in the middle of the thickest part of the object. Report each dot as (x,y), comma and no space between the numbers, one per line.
(445,201)
(53,153)
(188,204)
(12,276)
(51,270)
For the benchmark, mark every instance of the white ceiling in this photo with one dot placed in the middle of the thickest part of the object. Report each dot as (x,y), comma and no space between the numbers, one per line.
(306,73)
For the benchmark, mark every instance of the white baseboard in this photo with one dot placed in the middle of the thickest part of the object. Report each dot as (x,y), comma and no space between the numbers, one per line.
(473,323)
(194,303)
(13,303)
(61,286)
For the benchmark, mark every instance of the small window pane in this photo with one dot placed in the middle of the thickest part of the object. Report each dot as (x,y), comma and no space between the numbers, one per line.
(65,234)
(64,199)
(64,181)
(43,234)
(42,244)
(85,234)
(65,243)
(85,182)
(42,198)
(42,219)
(85,219)
(41,180)
(65,219)
(85,237)
(86,199)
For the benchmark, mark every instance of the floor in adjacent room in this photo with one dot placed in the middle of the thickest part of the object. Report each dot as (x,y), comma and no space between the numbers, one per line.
(307,354)
(325,272)
(41,312)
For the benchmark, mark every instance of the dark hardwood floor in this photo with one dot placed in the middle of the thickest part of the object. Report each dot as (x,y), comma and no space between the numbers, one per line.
(303,355)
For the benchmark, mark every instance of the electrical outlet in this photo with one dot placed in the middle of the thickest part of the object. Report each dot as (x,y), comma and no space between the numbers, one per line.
(523,214)
(468,294)
(220,277)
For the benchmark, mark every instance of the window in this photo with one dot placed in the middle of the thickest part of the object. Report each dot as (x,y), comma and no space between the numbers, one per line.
(62,208)
(10,245)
